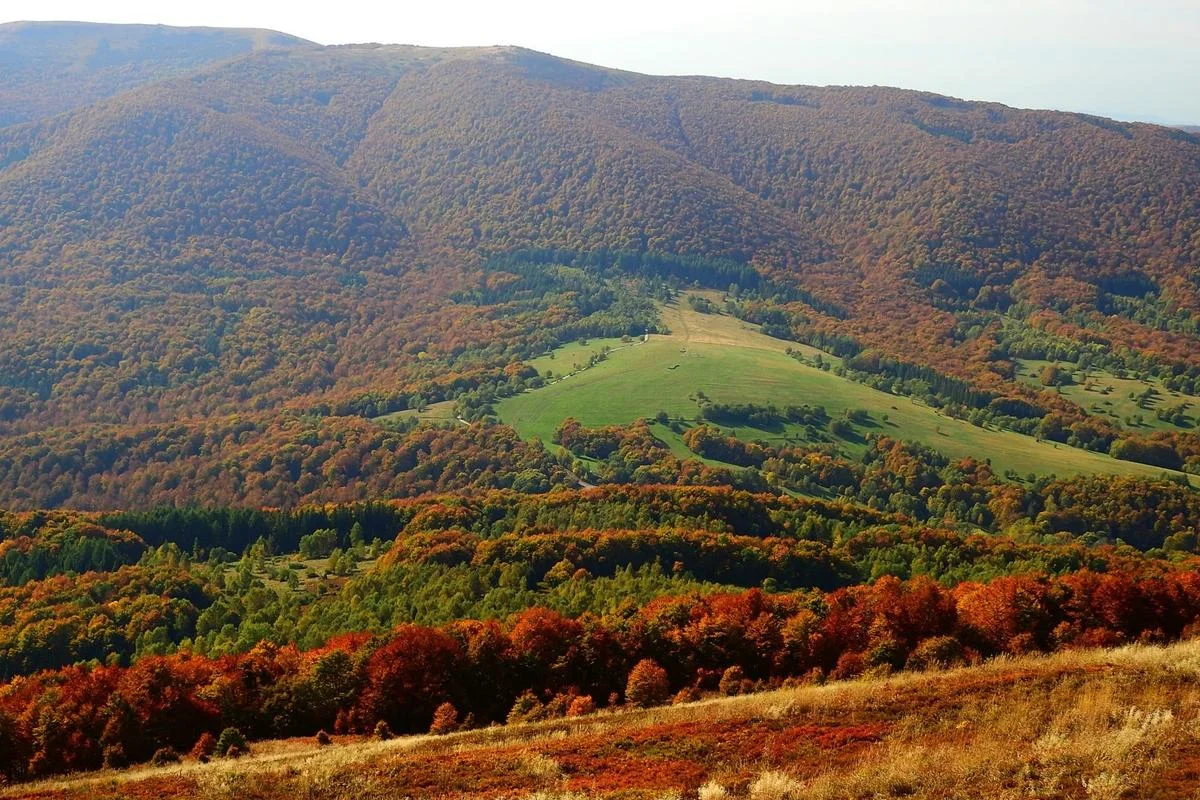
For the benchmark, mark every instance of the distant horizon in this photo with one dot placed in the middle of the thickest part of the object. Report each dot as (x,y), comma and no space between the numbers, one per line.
(1095,57)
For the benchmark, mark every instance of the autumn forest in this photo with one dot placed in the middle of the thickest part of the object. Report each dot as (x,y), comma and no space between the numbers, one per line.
(368,398)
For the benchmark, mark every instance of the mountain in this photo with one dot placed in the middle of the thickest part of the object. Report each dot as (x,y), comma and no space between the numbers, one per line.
(367,390)
(51,67)
(238,222)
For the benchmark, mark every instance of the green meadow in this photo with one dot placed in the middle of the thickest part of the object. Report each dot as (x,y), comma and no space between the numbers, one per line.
(730,361)
(434,412)
(1126,402)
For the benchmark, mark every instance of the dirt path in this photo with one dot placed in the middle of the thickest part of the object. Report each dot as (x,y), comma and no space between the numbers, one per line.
(685,331)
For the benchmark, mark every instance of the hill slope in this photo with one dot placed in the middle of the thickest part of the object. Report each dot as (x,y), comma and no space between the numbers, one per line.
(51,67)
(733,363)
(315,229)
(1010,729)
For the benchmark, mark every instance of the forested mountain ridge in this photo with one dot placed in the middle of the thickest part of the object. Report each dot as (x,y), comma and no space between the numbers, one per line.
(373,389)
(51,67)
(317,228)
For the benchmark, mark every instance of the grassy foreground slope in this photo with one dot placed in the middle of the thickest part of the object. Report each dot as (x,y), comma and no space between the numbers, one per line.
(730,361)
(1082,724)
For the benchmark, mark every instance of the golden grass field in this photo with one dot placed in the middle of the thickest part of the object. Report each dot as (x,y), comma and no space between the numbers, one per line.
(1100,724)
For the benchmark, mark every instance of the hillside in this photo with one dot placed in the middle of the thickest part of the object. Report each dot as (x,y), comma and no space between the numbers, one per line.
(1014,728)
(51,67)
(732,362)
(381,420)
(131,634)
(285,228)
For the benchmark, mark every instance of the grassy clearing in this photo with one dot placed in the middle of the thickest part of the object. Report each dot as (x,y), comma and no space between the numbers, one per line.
(314,576)
(1105,395)
(1084,724)
(575,356)
(732,362)
(434,412)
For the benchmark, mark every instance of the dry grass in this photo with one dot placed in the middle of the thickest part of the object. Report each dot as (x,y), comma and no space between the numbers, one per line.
(773,785)
(1097,724)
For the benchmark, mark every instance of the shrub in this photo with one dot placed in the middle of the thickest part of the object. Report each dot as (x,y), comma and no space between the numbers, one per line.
(712,791)
(1023,643)
(114,757)
(445,719)
(557,706)
(204,747)
(732,681)
(841,428)
(230,738)
(323,738)
(647,684)
(887,652)
(581,706)
(850,665)
(815,676)
(164,756)
(526,708)
(540,767)
(936,652)
(688,694)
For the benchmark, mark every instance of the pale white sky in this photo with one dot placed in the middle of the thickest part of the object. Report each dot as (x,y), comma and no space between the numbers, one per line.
(1132,59)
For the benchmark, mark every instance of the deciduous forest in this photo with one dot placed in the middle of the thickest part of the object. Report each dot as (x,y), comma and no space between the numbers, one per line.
(374,394)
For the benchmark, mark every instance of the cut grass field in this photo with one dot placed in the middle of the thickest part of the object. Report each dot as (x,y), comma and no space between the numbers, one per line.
(731,361)
(1101,724)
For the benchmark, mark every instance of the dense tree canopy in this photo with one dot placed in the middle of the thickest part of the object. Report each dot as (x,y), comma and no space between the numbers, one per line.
(260,301)
(353,230)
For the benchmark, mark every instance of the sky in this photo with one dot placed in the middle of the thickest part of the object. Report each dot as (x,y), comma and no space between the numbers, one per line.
(1129,59)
